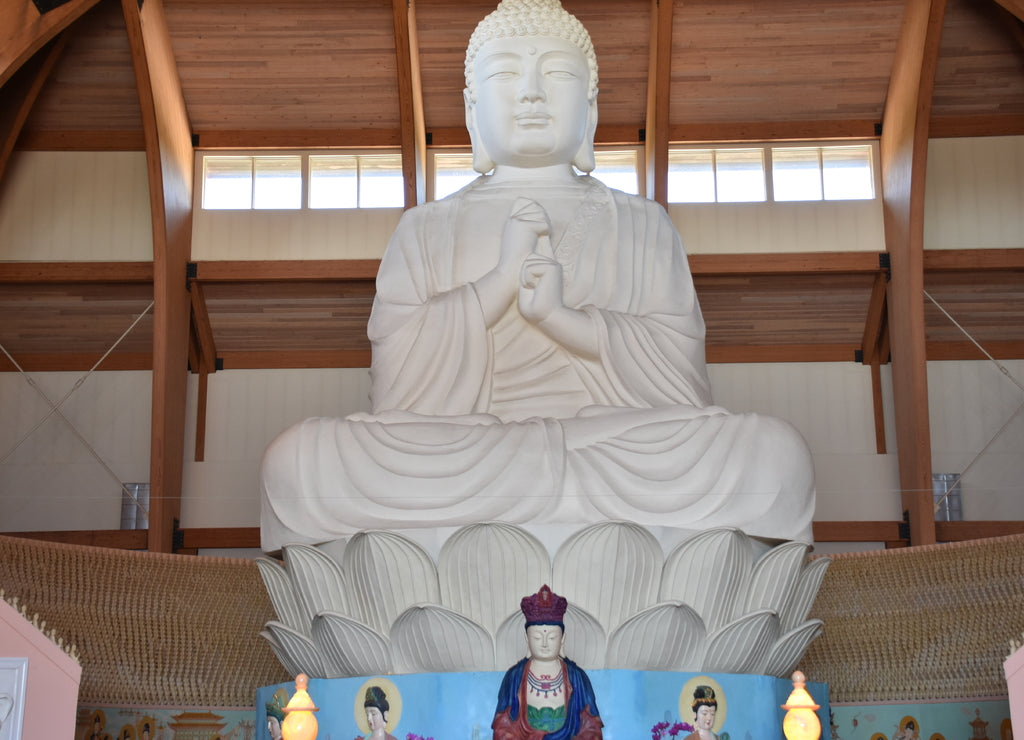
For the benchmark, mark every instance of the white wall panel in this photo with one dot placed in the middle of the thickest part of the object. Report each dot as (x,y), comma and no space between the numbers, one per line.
(246,409)
(52,480)
(974,193)
(292,235)
(831,405)
(970,403)
(65,206)
(737,228)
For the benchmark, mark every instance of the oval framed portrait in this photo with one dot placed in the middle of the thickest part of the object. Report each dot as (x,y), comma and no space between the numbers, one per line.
(391,694)
(686,701)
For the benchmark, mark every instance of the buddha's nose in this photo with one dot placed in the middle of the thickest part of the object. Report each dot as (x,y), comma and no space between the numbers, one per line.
(532,90)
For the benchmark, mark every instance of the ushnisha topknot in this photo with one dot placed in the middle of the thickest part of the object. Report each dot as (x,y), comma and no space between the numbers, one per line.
(515,18)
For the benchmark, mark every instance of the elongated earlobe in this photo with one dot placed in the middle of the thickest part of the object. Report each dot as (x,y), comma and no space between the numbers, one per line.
(584,159)
(482,161)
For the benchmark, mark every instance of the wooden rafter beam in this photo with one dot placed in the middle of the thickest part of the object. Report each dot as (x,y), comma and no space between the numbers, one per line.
(274,270)
(732,131)
(169,157)
(872,355)
(659,79)
(904,149)
(790,263)
(76,272)
(34,362)
(24,31)
(202,358)
(955,260)
(874,322)
(203,330)
(410,102)
(1015,7)
(19,95)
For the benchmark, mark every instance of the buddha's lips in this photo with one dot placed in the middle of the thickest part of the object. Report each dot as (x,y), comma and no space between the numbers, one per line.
(533,119)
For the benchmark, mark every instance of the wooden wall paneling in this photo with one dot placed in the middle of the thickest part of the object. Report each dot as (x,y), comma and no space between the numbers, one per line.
(20,93)
(410,102)
(904,149)
(170,158)
(659,81)
(25,31)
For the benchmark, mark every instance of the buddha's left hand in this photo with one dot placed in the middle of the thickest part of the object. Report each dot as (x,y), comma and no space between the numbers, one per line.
(540,288)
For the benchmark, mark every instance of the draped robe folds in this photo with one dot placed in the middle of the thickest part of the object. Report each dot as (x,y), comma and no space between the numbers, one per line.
(473,423)
(582,720)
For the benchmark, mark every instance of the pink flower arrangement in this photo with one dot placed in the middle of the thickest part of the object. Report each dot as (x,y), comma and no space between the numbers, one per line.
(664,729)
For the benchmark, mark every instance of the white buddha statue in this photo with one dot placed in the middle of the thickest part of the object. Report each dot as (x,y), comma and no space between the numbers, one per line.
(538,349)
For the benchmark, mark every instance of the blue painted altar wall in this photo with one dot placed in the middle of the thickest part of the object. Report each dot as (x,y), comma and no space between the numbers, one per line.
(460,706)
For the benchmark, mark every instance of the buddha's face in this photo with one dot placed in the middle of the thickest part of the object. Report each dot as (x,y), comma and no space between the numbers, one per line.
(544,641)
(705,718)
(531,105)
(375,719)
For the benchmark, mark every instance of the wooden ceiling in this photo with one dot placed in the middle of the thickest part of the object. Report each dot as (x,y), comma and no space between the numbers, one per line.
(324,72)
(272,73)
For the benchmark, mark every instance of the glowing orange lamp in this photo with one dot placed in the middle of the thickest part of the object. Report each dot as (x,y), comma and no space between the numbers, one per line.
(801,722)
(299,721)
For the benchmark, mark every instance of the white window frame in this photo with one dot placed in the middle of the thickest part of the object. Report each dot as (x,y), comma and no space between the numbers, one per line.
(305,154)
(767,147)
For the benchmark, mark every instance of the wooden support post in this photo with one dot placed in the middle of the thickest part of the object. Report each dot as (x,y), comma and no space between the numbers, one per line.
(410,102)
(169,157)
(904,151)
(24,30)
(19,95)
(659,80)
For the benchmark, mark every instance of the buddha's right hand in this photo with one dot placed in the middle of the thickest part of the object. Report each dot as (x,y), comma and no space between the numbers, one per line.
(527,223)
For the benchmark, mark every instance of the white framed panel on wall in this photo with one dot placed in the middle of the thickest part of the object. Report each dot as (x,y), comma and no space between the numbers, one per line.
(13,678)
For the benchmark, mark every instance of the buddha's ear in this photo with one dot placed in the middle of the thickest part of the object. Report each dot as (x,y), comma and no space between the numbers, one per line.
(482,162)
(584,159)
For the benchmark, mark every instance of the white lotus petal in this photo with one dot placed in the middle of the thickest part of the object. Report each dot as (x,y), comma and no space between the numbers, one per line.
(710,572)
(804,593)
(427,638)
(774,577)
(585,641)
(789,649)
(287,605)
(665,637)
(484,570)
(349,648)
(301,650)
(291,667)
(610,570)
(386,573)
(317,578)
(742,645)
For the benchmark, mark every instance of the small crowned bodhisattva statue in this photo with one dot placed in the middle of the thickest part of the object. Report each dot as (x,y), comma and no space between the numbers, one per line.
(546,696)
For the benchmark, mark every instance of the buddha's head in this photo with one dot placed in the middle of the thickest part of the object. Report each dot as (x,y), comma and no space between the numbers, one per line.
(531,88)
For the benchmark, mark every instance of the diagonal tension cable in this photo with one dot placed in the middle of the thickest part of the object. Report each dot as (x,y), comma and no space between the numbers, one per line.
(1003,370)
(55,408)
